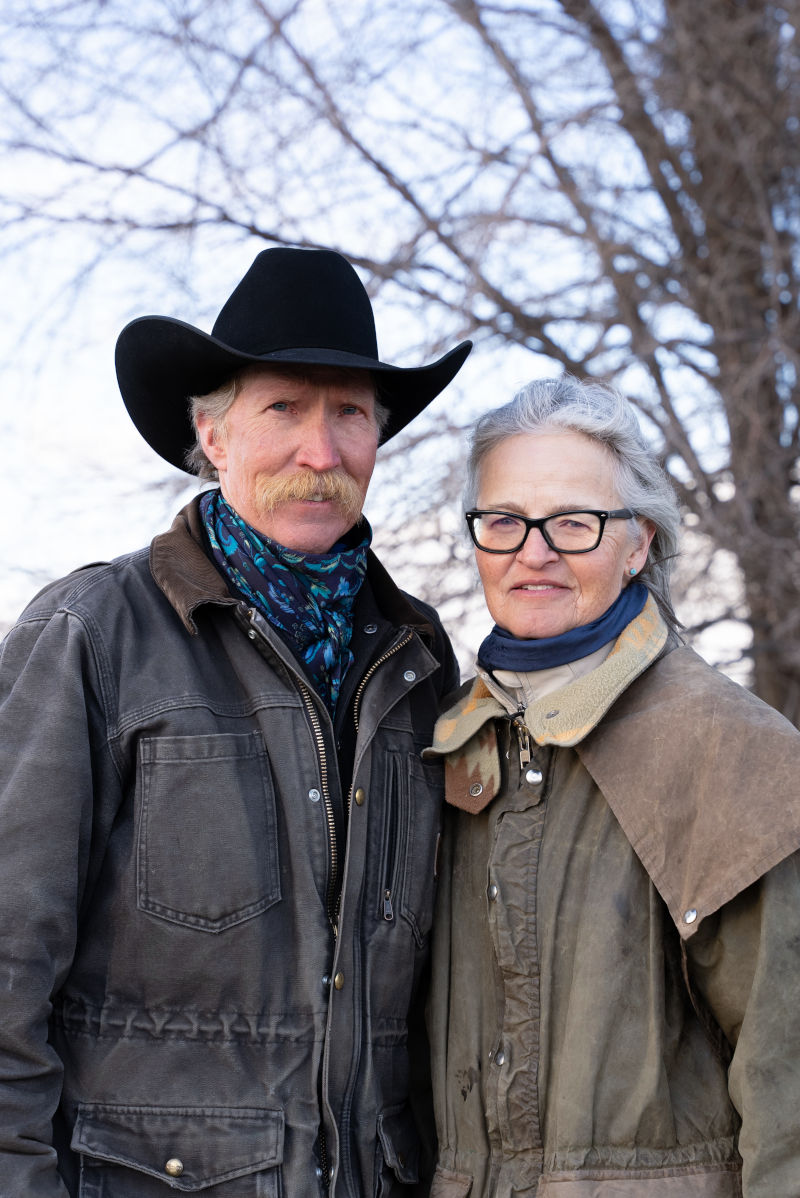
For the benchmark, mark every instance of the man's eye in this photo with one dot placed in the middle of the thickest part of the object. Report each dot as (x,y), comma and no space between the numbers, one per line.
(280,405)
(349,409)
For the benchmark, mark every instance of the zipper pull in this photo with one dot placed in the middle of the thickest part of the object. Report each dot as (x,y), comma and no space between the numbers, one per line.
(388,910)
(524,737)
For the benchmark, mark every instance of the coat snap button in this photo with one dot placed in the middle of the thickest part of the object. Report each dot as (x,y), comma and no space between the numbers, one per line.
(499,1057)
(533,777)
(338,981)
(314,795)
(370,628)
(493,891)
(690,916)
(174,1167)
(360,796)
(409,675)
(475,790)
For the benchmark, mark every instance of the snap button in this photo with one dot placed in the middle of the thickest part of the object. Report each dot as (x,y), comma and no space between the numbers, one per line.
(476,789)
(174,1167)
(409,675)
(314,795)
(551,715)
(252,634)
(338,981)
(690,916)
(493,891)
(326,981)
(370,628)
(360,796)
(533,777)
(499,1057)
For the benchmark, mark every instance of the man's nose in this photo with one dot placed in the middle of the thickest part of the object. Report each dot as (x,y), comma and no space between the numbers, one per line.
(318,448)
(536,552)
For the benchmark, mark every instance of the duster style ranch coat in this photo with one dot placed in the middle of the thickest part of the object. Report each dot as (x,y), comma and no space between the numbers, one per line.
(616,983)
(212,943)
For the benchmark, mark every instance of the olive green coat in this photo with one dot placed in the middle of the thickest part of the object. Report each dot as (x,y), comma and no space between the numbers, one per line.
(615,1009)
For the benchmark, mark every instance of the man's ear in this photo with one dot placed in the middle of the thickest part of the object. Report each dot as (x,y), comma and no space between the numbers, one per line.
(211,435)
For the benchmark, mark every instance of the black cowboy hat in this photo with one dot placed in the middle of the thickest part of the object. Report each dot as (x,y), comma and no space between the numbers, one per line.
(292,306)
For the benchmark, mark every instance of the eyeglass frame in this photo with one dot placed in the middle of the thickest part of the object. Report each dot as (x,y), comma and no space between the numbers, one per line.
(623,513)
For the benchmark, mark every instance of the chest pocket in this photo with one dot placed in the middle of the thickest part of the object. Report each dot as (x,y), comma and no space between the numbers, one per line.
(207,846)
(413,794)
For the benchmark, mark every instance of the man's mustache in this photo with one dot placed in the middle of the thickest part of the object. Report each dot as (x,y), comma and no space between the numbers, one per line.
(336,486)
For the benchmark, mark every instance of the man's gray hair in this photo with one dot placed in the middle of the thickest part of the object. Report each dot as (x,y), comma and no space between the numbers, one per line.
(216,404)
(599,412)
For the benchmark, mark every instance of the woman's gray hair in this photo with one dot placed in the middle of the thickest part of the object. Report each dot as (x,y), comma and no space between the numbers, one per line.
(216,404)
(599,412)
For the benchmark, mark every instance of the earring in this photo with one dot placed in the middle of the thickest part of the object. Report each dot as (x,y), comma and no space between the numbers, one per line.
(632,571)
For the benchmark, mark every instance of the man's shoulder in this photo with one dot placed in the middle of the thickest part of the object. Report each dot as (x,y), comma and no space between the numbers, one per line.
(89,588)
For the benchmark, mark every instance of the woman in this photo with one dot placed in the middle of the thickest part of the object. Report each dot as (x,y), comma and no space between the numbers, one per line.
(615,1009)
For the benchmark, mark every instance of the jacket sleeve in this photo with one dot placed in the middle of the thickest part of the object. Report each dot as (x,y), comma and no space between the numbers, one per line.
(48,771)
(745,961)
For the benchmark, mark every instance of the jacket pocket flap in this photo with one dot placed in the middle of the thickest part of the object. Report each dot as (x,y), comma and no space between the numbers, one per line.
(447,1184)
(188,1147)
(399,1139)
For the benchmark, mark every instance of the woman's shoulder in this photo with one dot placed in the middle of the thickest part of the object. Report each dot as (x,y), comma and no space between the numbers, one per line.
(682,683)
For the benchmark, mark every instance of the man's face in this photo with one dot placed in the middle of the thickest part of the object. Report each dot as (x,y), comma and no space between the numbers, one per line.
(295,454)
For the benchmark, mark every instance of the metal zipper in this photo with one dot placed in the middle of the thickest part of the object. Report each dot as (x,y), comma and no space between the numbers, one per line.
(524,738)
(362,684)
(323,1158)
(332,898)
(375,665)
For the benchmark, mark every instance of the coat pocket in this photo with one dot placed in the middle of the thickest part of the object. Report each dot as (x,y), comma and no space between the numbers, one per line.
(398,1152)
(412,801)
(151,1152)
(207,847)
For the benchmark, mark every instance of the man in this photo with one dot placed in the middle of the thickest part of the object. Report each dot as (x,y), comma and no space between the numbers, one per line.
(217,838)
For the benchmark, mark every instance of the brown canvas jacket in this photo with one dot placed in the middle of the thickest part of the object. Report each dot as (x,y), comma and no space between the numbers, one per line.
(616,963)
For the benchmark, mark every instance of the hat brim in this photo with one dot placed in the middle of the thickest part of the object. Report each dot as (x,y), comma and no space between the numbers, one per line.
(162,362)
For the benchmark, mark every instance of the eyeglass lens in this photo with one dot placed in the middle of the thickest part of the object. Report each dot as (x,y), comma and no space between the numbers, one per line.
(568,531)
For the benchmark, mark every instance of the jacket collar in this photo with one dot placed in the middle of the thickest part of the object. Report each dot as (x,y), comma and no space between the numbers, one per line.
(189,579)
(569,714)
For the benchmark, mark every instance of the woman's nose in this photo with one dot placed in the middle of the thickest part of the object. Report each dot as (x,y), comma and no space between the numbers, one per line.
(536,551)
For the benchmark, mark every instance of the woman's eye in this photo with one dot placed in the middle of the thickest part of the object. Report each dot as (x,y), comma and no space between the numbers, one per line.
(502,522)
(572,524)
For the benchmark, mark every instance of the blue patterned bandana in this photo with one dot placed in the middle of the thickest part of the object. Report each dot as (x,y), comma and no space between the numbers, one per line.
(308,597)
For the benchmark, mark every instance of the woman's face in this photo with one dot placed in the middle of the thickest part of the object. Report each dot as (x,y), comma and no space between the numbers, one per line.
(538,592)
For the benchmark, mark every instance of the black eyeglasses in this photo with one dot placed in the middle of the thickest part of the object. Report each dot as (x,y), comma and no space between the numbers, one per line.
(566,532)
